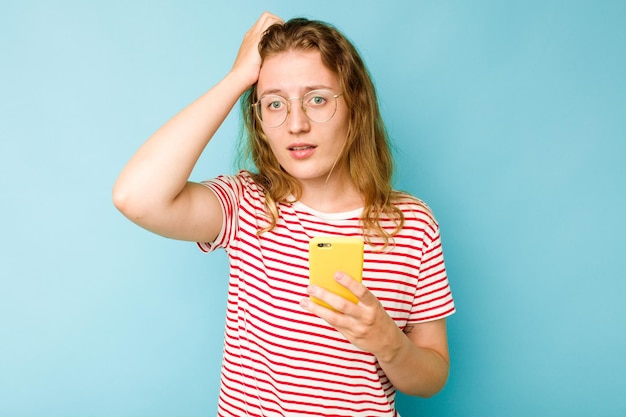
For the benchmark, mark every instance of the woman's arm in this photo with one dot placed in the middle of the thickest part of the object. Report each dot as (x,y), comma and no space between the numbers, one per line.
(418,362)
(153,189)
(415,361)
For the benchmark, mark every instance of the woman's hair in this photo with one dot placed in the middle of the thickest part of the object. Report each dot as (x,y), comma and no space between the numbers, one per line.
(366,151)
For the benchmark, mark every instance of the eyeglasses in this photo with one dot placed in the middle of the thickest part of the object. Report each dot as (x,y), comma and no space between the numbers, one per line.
(319,106)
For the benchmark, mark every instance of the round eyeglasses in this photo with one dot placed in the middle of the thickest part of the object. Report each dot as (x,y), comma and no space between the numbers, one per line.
(319,106)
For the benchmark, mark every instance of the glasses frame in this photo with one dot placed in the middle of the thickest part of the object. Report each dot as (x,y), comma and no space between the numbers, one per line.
(257,110)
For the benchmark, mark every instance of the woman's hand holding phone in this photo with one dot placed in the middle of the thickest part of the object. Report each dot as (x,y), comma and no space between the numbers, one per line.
(337,295)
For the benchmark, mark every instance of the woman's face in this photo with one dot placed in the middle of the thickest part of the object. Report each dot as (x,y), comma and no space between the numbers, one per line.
(305,149)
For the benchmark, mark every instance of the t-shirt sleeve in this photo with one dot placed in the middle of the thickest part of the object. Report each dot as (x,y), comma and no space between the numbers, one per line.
(228,190)
(433,297)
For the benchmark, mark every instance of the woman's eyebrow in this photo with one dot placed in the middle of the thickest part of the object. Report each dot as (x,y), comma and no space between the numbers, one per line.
(271,91)
(305,90)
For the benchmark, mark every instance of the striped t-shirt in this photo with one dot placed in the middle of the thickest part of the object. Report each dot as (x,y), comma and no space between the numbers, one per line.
(280,360)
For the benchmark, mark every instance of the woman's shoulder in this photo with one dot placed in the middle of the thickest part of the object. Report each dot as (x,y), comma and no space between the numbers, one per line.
(413,208)
(239,186)
(243,179)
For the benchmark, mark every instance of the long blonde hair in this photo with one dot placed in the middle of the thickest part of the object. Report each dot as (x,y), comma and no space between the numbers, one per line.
(367,149)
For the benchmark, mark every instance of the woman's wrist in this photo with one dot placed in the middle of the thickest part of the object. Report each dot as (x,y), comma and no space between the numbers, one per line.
(240,79)
(393,347)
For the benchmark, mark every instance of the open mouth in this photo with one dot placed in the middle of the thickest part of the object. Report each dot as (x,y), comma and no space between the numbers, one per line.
(301,148)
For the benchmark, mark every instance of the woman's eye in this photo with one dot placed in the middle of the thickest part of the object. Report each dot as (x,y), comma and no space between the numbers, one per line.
(275,105)
(317,100)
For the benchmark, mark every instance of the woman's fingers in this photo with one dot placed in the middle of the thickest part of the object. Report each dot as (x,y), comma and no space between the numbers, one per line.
(248,61)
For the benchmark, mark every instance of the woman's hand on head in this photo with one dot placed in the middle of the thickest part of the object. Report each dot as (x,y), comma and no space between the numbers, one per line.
(248,61)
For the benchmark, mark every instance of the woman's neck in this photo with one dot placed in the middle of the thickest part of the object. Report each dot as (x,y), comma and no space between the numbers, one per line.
(337,194)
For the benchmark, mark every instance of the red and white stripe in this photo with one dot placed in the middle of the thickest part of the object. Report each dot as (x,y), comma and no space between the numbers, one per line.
(280,360)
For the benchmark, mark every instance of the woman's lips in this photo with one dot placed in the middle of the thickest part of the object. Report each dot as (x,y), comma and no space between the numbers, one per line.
(301,151)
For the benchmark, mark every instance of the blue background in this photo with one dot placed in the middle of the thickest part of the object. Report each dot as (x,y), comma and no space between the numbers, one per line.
(507,117)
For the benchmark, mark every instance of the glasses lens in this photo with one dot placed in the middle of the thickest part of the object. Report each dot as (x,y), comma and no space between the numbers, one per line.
(319,105)
(272,110)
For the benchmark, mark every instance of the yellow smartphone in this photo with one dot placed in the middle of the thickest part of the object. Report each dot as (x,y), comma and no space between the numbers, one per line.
(329,254)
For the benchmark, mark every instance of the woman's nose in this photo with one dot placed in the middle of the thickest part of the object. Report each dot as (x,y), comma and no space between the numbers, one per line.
(297,121)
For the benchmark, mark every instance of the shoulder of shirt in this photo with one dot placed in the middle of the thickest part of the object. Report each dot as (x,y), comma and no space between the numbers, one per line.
(243,177)
(414,209)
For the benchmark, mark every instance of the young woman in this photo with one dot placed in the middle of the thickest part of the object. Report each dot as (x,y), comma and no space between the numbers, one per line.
(322,166)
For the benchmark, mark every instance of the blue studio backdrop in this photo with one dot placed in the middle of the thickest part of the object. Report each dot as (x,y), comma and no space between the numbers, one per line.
(507,117)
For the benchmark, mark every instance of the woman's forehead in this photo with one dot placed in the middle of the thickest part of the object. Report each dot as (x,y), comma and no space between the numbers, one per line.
(294,72)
